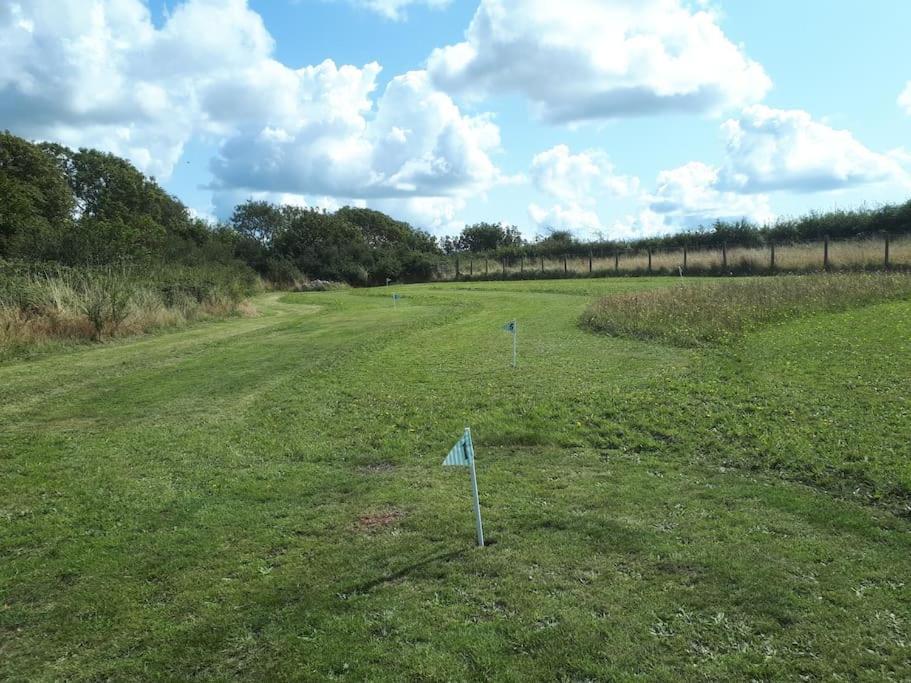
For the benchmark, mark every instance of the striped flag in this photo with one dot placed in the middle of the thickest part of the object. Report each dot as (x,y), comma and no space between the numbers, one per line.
(458,456)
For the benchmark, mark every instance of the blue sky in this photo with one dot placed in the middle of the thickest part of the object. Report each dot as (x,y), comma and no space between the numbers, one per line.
(606,117)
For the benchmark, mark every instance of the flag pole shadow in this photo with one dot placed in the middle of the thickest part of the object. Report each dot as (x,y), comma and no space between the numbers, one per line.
(368,586)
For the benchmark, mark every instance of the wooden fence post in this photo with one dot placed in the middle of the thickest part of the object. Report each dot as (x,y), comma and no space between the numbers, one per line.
(486,270)
(886,261)
(825,253)
(471,268)
(457,268)
(617,261)
(684,258)
(589,261)
(772,256)
(565,269)
(724,255)
(649,250)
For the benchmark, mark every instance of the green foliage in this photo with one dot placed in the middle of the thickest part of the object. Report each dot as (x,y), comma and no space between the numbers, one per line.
(695,314)
(488,237)
(324,246)
(354,245)
(35,201)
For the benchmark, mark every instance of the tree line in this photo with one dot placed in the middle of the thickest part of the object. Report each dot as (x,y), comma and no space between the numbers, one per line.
(505,242)
(87,207)
(90,208)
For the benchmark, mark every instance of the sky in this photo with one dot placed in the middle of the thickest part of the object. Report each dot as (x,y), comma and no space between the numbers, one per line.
(609,118)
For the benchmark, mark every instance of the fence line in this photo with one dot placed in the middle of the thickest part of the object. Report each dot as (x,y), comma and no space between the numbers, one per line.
(825,255)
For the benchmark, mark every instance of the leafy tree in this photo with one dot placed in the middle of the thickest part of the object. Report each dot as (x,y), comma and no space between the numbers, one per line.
(258,221)
(36,204)
(323,245)
(488,237)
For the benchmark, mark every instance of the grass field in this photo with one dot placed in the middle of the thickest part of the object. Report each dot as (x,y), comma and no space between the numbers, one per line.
(262,498)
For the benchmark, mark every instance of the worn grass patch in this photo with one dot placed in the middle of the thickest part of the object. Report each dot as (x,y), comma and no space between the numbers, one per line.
(694,315)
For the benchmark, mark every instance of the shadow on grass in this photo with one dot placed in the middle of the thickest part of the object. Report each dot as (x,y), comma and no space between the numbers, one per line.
(367,586)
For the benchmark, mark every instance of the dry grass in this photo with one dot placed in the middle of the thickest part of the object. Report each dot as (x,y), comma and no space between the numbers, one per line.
(693,315)
(37,310)
(861,254)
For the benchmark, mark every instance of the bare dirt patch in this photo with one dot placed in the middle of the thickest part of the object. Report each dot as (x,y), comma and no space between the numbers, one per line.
(376,521)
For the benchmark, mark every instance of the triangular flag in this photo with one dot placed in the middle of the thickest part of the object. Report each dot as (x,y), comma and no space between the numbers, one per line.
(458,456)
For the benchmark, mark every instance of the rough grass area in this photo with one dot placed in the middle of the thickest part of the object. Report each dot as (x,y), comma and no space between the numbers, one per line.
(45,309)
(696,314)
(263,498)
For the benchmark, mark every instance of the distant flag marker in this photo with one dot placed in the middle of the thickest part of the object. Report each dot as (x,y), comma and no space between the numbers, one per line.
(395,300)
(513,328)
(462,455)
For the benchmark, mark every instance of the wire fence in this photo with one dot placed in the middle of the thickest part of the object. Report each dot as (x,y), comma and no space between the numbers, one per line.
(875,253)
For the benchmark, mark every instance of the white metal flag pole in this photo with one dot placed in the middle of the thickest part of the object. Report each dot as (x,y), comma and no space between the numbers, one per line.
(515,337)
(462,455)
(467,444)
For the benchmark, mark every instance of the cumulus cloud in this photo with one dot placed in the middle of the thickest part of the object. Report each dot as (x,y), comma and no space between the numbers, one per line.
(395,9)
(581,60)
(580,220)
(416,144)
(438,215)
(690,196)
(99,73)
(774,149)
(578,182)
(904,100)
(579,177)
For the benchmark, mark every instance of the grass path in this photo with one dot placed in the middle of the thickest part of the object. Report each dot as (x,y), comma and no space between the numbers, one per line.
(263,498)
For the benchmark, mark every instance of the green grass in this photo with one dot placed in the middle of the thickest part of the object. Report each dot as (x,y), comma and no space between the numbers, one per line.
(698,314)
(203,504)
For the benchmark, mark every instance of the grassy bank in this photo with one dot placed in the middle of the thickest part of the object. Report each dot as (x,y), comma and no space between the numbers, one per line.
(694,314)
(46,305)
(262,498)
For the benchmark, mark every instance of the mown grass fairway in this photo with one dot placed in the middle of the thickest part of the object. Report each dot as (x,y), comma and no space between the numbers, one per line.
(263,498)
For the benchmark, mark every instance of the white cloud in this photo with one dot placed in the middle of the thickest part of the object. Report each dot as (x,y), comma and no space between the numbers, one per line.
(690,196)
(904,100)
(579,178)
(580,220)
(580,60)
(395,9)
(774,149)
(438,215)
(99,73)
(416,144)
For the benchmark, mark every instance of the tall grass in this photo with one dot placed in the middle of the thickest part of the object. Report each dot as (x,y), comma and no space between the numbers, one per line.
(700,314)
(41,304)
